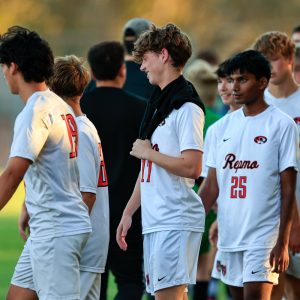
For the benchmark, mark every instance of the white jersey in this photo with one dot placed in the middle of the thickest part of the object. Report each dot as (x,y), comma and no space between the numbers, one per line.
(168,201)
(207,143)
(249,153)
(93,179)
(291,106)
(45,132)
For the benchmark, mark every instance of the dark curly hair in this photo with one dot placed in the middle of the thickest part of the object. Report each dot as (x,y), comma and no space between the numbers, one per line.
(169,37)
(29,52)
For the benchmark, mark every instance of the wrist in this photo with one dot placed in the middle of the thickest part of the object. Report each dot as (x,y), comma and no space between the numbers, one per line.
(147,154)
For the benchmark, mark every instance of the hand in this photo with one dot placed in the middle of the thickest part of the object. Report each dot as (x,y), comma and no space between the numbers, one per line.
(279,258)
(140,149)
(23,223)
(213,234)
(294,242)
(122,230)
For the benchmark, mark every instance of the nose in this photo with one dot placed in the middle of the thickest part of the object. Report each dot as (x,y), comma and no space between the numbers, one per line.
(235,86)
(142,67)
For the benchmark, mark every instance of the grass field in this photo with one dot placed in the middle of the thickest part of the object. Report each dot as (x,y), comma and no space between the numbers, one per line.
(11,246)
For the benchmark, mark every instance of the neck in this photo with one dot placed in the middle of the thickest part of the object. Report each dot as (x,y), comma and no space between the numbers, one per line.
(233,107)
(255,108)
(27,89)
(168,77)
(110,83)
(75,105)
(284,89)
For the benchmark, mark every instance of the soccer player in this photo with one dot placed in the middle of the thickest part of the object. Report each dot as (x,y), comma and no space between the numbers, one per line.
(284,93)
(69,80)
(117,116)
(170,149)
(43,151)
(252,162)
(296,34)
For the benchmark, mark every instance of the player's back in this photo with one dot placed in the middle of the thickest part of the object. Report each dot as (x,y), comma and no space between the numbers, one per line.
(46,133)
(93,179)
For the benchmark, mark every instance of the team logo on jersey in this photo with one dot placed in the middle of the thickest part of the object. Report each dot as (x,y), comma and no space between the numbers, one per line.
(221,268)
(297,120)
(260,139)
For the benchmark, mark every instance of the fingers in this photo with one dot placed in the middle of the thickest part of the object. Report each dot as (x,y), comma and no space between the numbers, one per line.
(279,265)
(23,233)
(120,237)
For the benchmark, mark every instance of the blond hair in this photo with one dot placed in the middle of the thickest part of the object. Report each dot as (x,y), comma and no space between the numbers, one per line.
(275,43)
(70,77)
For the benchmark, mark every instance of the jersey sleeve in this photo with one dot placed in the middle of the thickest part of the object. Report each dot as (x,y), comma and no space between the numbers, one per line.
(211,151)
(31,130)
(207,143)
(189,127)
(289,147)
(88,161)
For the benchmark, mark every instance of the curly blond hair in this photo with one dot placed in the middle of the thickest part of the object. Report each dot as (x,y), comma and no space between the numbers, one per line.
(169,37)
(275,43)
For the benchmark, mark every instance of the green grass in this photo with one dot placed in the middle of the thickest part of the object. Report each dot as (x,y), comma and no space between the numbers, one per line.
(11,246)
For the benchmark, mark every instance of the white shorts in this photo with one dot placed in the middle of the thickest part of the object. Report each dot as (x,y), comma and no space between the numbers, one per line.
(294,265)
(90,285)
(50,267)
(237,268)
(170,258)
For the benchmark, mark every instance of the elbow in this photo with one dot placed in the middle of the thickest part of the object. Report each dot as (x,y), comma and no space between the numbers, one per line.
(194,173)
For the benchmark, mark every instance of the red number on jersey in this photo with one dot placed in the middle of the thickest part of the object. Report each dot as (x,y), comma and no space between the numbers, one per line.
(238,188)
(102,180)
(73,134)
(149,166)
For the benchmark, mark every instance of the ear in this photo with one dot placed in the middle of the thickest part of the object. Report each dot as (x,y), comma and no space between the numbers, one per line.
(122,71)
(13,68)
(263,83)
(165,55)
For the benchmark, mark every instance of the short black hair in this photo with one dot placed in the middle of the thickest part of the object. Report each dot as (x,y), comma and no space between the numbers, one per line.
(296,29)
(222,69)
(29,52)
(249,61)
(106,59)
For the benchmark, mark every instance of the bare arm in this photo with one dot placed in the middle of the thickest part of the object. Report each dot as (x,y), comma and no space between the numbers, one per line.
(294,243)
(188,164)
(133,204)
(279,257)
(11,177)
(89,199)
(209,190)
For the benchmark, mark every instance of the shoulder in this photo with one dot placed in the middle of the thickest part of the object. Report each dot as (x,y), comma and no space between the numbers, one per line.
(87,130)
(137,100)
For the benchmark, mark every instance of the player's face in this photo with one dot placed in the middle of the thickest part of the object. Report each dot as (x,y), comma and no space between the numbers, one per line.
(281,68)
(297,70)
(225,90)
(152,65)
(296,37)
(246,89)
(8,76)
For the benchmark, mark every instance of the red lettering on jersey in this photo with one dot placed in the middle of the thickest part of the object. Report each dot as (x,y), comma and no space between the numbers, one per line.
(149,166)
(102,180)
(232,163)
(72,133)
